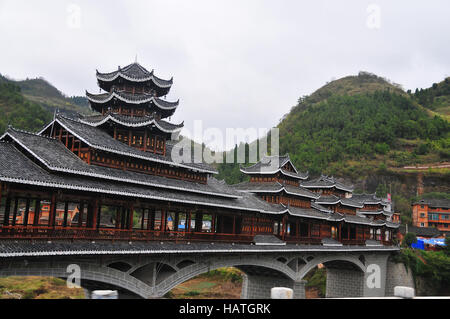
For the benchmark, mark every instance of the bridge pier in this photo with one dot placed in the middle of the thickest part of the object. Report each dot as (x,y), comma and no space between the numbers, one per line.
(259,287)
(344,283)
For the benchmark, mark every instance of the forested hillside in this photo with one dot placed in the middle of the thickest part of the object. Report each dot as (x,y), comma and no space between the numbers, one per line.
(40,91)
(18,111)
(354,126)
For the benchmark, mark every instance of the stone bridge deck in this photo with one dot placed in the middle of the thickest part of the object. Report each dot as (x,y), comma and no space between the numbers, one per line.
(152,269)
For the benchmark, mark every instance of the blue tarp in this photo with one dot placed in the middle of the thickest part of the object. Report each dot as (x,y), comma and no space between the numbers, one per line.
(429,241)
(434,241)
(419,244)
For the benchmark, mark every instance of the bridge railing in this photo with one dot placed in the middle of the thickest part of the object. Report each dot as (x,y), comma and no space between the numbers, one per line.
(73,233)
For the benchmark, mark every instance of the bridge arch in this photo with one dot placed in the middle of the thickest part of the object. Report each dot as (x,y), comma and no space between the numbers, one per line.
(184,274)
(89,273)
(314,262)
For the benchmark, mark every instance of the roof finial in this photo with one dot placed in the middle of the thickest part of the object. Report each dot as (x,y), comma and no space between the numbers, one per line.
(135,59)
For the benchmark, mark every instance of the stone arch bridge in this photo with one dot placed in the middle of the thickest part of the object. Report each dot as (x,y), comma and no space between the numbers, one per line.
(150,270)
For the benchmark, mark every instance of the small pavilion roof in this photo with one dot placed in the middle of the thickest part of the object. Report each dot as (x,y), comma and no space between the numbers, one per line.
(131,121)
(333,200)
(273,165)
(136,73)
(274,187)
(327,182)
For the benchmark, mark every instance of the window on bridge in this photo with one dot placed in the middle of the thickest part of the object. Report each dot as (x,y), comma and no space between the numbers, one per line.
(158,221)
(304,230)
(109,217)
(352,232)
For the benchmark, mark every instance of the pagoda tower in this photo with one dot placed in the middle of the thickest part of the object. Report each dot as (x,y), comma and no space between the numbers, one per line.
(132,110)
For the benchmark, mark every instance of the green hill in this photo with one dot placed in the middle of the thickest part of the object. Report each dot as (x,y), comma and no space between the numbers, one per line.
(354,126)
(40,91)
(18,111)
(435,98)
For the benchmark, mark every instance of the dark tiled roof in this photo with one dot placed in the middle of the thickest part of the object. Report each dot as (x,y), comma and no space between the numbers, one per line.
(16,168)
(436,203)
(333,199)
(274,187)
(366,198)
(100,140)
(131,121)
(272,165)
(56,157)
(326,182)
(44,248)
(134,72)
(132,99)
(420,231)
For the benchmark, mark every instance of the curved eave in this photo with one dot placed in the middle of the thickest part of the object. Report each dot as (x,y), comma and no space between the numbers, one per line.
(108,177)
(169,107)
(141,124)
(110,150)
(277,191)
(105,77)
(272,172)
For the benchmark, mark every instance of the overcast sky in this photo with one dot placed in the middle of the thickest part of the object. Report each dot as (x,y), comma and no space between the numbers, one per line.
(234,63)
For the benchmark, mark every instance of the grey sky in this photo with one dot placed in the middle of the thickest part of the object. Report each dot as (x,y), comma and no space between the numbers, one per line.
(235,63)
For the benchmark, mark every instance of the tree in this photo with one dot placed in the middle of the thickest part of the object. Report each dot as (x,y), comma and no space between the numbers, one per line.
(447,245)
(410,238)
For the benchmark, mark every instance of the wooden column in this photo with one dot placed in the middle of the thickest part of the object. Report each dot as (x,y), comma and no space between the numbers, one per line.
(95,214)
(117,217)
(1,189)
(7,211)
(16,206)
(37,212)
(145,140)
(176,221)
(129,138)
(27,211)
(130,218)
(163,220)
(143,218)
(297,229)
(213,223)
(66,212)
(80,215)
(234,225)
(52,213)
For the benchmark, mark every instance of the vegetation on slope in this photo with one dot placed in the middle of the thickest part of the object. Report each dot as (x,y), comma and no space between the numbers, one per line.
(435,98)
(18,111)
(433,267)
(37,288)
(356,126)
(48,96)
